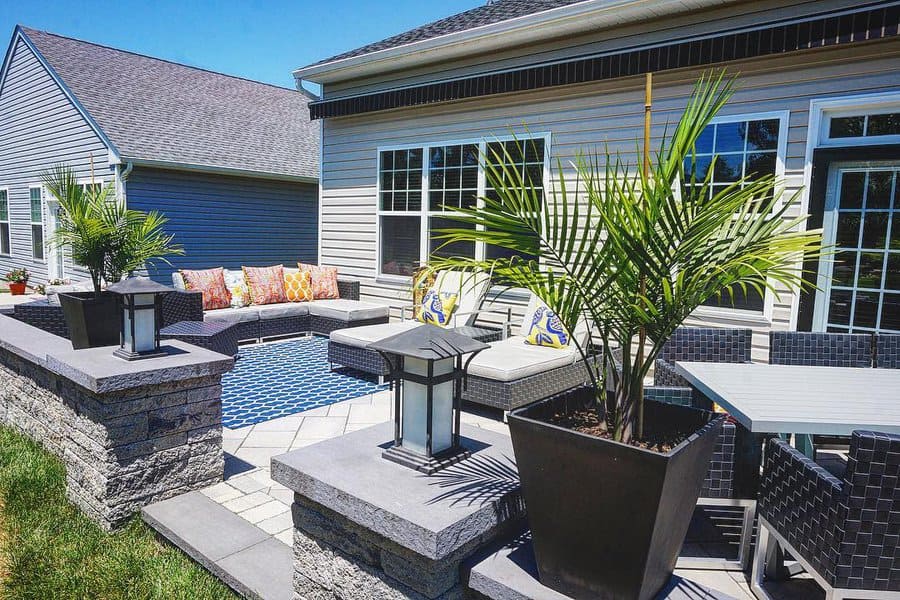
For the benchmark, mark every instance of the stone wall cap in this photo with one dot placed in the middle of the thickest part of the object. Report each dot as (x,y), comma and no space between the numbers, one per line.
(434,516)
(99,371)
(29,343)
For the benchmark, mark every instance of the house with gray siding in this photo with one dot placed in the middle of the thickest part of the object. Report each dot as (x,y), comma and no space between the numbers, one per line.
(232,163)
(405,119)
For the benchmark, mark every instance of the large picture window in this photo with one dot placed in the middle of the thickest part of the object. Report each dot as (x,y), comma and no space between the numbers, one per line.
(420,187)
(745,147)
(4,222)
(37,223)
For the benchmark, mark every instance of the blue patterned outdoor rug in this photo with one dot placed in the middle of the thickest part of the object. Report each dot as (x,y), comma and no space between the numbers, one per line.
(282,378)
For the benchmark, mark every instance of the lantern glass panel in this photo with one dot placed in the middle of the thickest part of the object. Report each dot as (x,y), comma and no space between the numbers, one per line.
(415,407)
(144,323)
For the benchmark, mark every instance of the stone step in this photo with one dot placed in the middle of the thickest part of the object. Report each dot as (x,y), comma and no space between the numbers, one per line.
(511,573)
(246,558)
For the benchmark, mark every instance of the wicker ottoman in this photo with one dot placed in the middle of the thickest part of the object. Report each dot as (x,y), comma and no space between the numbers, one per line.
(218,336)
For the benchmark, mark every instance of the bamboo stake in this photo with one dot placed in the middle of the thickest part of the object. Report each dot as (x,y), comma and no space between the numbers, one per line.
(642,332)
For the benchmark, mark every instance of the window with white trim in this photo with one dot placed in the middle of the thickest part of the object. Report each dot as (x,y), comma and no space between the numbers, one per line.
(419,187)
(746,146)
(4,222)
(37,223)
(864,125)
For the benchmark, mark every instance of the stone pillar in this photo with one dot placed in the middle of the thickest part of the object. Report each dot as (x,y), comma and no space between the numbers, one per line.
(130,433)
(366,527)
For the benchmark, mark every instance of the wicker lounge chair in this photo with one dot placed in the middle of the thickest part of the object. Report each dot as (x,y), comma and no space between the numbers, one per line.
(842,531)
(349,347)
(512,373)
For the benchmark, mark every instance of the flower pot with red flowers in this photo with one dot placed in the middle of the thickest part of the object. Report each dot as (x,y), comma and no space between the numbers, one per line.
(18,281)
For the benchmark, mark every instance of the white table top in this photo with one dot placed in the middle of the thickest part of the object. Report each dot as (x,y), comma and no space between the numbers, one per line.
(793,399)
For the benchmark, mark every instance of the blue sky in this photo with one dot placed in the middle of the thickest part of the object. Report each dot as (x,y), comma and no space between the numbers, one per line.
(264,41)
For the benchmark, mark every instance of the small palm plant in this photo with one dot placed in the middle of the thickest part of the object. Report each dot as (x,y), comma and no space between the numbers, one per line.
(636,253)
(102,234)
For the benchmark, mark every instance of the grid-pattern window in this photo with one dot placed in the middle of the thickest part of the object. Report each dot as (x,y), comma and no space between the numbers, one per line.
(526,159)
(400,175)
(4,222)
(746,148)
(37,223)
(875,125)
(865,280)
(452,178)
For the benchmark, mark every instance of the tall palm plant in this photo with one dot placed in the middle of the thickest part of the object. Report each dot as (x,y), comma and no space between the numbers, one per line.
(632,251)
(102,234)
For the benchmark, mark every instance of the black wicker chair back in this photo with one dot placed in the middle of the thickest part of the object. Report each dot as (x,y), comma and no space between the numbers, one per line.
(887,351)
(820,349)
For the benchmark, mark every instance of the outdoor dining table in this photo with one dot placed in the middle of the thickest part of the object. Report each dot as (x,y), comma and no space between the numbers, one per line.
(787,399)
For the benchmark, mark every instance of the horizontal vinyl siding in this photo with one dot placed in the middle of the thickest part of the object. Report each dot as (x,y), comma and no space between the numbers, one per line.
(225,221)
(581,118)
(40,127)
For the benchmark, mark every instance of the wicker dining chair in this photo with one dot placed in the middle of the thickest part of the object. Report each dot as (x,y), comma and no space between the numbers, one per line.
(844,532)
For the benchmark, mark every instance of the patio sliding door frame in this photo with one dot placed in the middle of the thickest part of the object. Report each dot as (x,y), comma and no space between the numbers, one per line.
(823,160)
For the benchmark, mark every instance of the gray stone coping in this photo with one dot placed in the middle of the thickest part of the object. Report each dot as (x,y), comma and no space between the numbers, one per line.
(97,370)
(433,516)
(511,573)
(246,558)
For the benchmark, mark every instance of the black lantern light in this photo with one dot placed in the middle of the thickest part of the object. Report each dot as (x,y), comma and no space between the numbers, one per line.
(141,304)
(427,372)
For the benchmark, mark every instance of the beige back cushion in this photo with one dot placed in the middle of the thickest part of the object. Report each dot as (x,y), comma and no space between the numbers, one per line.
(471,289)
(582,330)
(178,280)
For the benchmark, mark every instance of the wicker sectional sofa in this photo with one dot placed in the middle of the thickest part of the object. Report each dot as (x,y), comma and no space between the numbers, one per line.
(257,323)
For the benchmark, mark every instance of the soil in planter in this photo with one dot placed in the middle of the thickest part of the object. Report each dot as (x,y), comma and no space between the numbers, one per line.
(589,422)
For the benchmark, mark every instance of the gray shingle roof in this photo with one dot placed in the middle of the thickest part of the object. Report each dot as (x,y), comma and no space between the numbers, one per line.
(157,110)
(495,12)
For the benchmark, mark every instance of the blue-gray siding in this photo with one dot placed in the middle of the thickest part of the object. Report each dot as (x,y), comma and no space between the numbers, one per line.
(39,127)
(229,221)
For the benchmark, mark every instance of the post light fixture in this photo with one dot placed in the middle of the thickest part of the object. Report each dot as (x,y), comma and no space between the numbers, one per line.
(427,371)
(141,310)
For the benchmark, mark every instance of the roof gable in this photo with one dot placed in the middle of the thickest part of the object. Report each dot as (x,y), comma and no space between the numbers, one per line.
(493,12)
(170,114)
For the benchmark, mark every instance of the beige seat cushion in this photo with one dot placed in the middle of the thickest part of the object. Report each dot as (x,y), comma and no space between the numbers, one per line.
(233,315)
(282,309)
(513,359)
(360,337)
(348,310)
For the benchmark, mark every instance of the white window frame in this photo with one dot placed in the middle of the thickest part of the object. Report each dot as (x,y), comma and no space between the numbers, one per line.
(766,316)
(425,213)
(820,111)
(8,222)
(42,223)
(849,108)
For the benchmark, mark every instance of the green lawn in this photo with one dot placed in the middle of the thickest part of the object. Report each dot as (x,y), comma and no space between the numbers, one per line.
(48,549)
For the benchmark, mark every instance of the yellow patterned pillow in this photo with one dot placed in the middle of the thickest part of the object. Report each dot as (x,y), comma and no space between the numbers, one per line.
(547,330)
(298,286)
(437,307)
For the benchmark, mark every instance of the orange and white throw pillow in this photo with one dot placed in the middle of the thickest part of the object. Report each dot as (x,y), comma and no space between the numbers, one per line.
(298,286)
(265,284)
(211,283)
(324,281)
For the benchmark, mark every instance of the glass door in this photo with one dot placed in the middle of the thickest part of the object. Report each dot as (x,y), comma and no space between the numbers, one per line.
(55,255)
(859,284)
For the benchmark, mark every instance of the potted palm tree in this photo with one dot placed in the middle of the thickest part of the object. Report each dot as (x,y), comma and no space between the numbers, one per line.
(609,479)
(110,241)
